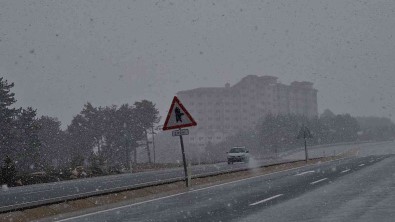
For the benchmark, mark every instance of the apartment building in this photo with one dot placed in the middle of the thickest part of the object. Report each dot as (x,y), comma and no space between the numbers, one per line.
(223,111)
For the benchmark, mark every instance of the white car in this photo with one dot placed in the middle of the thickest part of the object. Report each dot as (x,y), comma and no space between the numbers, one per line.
(238,154)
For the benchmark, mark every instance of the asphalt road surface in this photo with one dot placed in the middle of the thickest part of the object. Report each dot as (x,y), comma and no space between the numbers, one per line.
(351,189)
(17,197)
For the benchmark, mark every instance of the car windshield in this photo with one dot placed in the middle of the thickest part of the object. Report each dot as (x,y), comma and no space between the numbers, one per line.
(197,110)
(237,150)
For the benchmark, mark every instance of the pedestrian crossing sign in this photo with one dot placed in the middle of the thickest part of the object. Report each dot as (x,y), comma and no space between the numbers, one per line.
(178,116)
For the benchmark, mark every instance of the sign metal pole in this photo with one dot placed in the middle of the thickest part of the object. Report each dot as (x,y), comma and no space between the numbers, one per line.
(184,161)
(177,118)
(305,133)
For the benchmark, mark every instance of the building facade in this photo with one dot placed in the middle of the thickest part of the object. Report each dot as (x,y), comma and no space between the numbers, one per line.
(223,111)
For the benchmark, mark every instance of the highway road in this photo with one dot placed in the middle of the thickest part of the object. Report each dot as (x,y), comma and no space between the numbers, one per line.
(350,189)
(17,197)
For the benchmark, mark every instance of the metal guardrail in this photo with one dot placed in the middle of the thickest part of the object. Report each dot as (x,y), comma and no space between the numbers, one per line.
(328,146)
(71,197)
(55,200)
(77,196)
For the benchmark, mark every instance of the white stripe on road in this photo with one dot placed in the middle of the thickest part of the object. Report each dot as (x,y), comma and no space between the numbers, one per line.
(361,165)
(112,181)
(265,200)
(345,171)
(312,183)
(303,173)
(371,161)
(38,191)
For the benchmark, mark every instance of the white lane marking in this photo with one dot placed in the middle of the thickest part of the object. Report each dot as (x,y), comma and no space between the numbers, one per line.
(312,183)
(345,171)
(112,181)
(191,191)
(39,191)
(306,172)
(267,199)
(361,165)
(371,161)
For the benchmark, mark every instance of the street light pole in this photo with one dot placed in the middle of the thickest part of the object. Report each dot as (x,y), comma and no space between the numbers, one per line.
(153,139)
(153,143)
(305,149)
(127,138)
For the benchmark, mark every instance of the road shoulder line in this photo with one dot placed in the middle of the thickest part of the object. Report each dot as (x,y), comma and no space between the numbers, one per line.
(266,200)
(318,181)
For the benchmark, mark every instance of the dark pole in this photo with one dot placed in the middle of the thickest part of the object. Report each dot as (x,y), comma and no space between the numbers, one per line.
(153,143)
(148,151)
(184,160)
(305,149)
(127,165)
(127,144)
(135,155)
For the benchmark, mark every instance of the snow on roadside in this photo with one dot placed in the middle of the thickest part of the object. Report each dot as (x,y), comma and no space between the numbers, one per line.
(4,187)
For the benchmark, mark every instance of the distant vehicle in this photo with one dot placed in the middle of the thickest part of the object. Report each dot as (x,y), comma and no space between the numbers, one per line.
(238,154)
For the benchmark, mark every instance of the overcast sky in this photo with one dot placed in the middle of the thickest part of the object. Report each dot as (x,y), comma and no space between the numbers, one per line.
(61,54)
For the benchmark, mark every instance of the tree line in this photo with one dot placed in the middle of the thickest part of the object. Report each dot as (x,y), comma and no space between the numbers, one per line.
(110,135)
(278,133)
(97,135)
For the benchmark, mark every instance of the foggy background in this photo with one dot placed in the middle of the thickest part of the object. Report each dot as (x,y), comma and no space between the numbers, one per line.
(61,54)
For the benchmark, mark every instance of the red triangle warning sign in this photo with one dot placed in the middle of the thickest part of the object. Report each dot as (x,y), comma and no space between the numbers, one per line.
(178,116)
